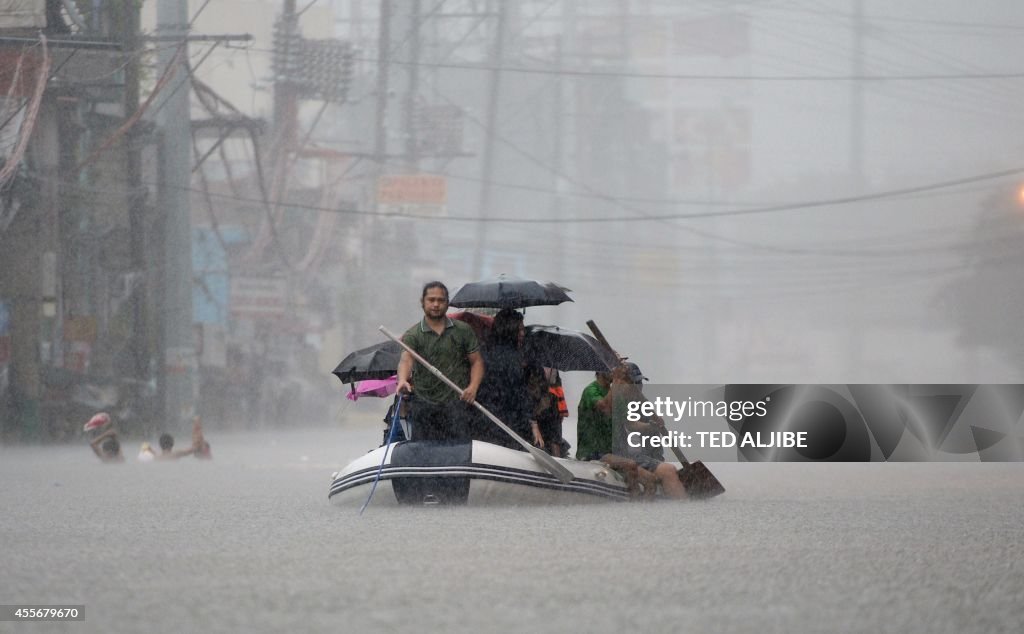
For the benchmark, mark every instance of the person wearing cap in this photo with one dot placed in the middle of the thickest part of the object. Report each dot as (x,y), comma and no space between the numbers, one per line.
(649,461)
(633,373)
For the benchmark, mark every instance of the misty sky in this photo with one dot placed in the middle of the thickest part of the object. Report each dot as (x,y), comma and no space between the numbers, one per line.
(718,107)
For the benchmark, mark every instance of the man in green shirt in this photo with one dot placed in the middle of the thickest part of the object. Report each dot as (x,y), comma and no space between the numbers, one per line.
(436,411)
(594,420)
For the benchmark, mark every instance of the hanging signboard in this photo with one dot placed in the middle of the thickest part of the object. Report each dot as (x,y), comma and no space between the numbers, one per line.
(259,296)
(419,194)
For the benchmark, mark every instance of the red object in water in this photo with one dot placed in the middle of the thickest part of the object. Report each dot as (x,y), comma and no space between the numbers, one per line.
(97,421)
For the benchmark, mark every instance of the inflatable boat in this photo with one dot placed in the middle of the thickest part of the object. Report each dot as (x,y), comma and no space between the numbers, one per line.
(428,473)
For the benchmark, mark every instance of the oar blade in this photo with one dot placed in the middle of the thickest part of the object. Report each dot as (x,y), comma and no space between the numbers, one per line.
(551,465)
(699,482)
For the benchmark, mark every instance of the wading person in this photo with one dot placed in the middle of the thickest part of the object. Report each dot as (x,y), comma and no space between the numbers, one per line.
(107,447)
(167,451)
(436,411)
(200,448)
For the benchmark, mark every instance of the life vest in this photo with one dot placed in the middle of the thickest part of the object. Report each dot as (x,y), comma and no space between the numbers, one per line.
(559,393)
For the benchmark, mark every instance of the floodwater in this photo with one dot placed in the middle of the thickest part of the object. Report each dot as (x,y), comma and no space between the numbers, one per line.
(249,542)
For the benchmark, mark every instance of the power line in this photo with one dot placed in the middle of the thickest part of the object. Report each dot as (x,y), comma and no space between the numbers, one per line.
(885,18)
(700,77)
(981,75)
(941,93)
(306,8)
(795,206)
(196,15)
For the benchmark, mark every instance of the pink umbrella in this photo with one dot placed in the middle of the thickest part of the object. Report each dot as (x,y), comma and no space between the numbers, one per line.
(374,387)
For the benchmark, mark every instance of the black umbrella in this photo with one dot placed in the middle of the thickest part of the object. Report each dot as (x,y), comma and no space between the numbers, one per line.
(378,361)
(506,291)
(567,350)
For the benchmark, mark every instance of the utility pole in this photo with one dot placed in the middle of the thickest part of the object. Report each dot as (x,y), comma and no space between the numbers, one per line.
(285,100)
(855,325)
(36,314)
(487,168)
(380,146)
(557,232)
(177,338)
(412,88)
(857,99)
(139,343)
(567,143)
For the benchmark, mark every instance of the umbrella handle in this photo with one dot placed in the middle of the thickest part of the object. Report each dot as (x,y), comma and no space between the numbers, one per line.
(550,464)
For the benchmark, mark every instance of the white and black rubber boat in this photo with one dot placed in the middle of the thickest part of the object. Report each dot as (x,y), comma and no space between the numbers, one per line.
(476,473)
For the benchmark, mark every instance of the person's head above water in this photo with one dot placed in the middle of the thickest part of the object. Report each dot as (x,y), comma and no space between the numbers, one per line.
(110,447)
(166,442)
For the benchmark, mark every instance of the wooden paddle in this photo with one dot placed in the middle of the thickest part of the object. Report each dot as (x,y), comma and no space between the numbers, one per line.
(697,479)
(542,457)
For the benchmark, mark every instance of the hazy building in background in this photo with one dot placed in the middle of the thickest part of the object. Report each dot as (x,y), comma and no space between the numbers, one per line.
(736,192)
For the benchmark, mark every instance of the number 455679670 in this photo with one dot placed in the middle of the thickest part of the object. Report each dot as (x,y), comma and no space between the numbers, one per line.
(42,612)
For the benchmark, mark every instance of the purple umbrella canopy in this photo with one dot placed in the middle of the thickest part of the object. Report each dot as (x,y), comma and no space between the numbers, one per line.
(374,387)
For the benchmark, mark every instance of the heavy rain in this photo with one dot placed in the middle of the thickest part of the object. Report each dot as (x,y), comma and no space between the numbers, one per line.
(207,205)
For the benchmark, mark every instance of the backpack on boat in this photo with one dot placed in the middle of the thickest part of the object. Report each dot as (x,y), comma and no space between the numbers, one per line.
(403,427)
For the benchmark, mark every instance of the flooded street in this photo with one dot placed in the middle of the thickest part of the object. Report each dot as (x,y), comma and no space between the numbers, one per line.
(249,541)
(799,224)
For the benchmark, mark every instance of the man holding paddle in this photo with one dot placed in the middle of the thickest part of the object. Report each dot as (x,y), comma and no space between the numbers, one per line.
(438,412)
(697,480)
(628,379)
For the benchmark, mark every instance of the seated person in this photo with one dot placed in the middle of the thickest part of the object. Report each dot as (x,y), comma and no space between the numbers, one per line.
(650,461)
(640,482)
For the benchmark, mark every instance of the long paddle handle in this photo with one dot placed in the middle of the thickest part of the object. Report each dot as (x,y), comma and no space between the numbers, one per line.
(600,337)
(550,464)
